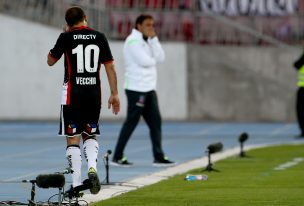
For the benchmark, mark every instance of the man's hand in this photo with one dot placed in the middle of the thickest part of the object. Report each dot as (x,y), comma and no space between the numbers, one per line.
(151,33)
(114,103)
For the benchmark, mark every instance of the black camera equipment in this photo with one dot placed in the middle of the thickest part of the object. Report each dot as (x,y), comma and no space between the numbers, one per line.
(213,148)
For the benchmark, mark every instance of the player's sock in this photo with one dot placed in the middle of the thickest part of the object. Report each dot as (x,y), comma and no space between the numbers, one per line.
(90,150)
(73,156)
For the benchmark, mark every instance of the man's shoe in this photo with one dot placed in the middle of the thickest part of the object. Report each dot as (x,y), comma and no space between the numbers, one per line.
(163,162)
(123,162)
(71,193)
(93,177)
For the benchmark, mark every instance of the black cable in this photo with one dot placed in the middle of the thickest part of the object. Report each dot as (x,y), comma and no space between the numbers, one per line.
(62,198)
(51,198)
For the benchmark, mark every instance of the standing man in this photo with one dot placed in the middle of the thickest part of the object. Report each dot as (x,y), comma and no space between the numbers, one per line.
(142,51)
(299,65)
(84,51)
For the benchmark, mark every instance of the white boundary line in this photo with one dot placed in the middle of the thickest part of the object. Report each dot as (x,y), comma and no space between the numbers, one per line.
(153,178)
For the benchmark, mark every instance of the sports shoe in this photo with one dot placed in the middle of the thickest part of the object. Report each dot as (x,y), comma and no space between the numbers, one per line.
(71,193)
(164,162)
(93,177)
(123,162)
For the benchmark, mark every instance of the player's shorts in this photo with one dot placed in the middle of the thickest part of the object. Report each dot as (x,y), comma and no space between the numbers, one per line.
(76,120)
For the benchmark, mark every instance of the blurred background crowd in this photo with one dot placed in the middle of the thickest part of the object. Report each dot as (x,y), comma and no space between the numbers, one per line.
(178,20)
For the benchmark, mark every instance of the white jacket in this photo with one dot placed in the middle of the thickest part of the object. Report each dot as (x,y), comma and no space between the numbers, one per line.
(140,58)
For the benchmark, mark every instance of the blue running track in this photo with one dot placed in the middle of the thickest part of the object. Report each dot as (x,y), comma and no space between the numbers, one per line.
(28,149)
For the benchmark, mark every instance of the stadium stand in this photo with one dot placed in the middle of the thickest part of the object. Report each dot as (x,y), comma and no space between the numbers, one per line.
(178,20)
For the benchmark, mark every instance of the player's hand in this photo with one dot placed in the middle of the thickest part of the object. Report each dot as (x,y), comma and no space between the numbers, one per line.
(114,103)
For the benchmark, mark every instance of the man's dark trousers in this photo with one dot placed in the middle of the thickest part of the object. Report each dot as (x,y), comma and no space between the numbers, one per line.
(141,104)
(300,109)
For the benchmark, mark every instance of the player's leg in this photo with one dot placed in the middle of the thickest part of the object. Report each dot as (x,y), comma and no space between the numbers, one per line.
(73,155)
(68,128)
(90,150)
(90,128)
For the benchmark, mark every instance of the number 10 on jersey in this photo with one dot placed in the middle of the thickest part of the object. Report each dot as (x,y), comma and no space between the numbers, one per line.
(84,58)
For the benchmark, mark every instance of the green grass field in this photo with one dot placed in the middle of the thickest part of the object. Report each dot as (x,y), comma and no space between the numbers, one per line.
(241,181)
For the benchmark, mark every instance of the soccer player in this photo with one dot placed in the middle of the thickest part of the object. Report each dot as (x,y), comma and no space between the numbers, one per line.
(84,50)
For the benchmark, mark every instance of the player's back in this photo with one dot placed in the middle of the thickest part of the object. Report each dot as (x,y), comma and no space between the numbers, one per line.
(85,50)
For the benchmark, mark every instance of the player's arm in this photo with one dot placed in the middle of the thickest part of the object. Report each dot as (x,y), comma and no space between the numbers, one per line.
(51,60)
(55,54)
(112,79)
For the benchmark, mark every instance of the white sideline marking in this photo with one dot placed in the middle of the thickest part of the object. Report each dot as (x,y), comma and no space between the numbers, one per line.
(29,174)
(280,130)
(153,178)
(211,129)
(292,163)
